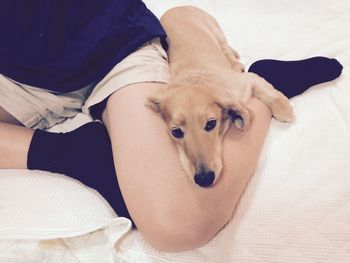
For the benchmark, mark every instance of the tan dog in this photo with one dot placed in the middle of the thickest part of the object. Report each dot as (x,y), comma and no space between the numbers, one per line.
(209,91)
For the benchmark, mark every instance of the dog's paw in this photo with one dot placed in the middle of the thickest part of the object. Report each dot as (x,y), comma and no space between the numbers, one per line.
(235,52)
(239,67)
(233,57)
(282,110)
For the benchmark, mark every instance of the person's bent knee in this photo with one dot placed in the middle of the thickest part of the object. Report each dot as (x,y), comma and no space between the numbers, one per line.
(180,235)
(173,238)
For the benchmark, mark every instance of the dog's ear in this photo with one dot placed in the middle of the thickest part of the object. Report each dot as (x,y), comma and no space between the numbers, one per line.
(234,111)
(154,102)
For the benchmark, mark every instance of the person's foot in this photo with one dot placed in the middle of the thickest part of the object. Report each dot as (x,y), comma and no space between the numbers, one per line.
(84,154)
(294,77)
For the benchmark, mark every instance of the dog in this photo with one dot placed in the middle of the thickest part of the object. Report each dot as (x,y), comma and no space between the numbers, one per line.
(209,90)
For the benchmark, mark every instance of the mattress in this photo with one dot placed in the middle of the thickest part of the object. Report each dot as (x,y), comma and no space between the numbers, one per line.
(296,207)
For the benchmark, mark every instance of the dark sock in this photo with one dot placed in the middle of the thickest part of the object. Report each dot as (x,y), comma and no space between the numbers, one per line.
(294,77)
(84,154)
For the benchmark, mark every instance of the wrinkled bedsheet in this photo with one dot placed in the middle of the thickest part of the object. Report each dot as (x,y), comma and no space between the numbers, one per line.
(296,208)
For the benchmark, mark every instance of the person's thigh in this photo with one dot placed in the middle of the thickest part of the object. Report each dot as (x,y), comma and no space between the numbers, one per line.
(14,142)
(7,117)
(162,201)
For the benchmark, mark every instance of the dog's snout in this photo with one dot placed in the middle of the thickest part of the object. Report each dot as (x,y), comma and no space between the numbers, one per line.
(204,179)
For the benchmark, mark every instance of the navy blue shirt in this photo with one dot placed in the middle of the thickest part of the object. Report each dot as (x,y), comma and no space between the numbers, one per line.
(65,45)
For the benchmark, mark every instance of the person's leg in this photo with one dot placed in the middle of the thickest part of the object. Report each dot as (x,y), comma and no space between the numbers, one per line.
(294,77)
(7,117)
(14,142)
(170,211)
(84,154)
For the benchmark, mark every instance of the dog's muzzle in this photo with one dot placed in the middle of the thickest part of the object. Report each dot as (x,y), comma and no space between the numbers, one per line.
(204,179)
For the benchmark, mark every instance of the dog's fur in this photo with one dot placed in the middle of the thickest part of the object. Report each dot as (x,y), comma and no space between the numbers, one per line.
(208,82)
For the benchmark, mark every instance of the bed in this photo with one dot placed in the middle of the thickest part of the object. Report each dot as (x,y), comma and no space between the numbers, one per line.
(296,207)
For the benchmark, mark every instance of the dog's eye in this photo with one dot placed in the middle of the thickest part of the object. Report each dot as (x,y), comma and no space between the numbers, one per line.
(210,125)
(177,133)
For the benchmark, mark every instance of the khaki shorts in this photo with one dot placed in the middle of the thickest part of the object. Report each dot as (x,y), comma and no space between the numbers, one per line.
(41,109)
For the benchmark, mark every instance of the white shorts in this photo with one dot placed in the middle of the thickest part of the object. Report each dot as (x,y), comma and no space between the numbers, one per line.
(41,109)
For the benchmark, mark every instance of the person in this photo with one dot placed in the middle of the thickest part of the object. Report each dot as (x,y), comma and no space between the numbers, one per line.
(106,58)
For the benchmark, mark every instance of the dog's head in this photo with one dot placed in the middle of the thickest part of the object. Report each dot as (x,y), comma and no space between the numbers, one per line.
(197,120)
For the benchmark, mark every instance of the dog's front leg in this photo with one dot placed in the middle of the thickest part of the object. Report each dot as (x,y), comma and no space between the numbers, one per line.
(231,54)
(233,57)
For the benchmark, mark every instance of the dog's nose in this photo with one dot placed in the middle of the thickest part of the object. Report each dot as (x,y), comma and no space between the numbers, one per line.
(204,179)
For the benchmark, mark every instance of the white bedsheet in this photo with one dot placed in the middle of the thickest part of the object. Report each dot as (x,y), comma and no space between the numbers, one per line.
(296,208)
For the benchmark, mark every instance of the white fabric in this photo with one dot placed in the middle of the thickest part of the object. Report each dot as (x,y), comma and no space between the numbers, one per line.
(47,217)
(296,208)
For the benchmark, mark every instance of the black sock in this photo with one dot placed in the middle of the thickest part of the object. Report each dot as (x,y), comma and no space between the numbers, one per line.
(294,77)
(84,154)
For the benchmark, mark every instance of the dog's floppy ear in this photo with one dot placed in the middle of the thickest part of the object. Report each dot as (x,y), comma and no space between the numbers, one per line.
(234,111)
(155,101)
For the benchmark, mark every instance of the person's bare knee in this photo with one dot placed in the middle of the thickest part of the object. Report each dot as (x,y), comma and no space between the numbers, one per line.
(179,235)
